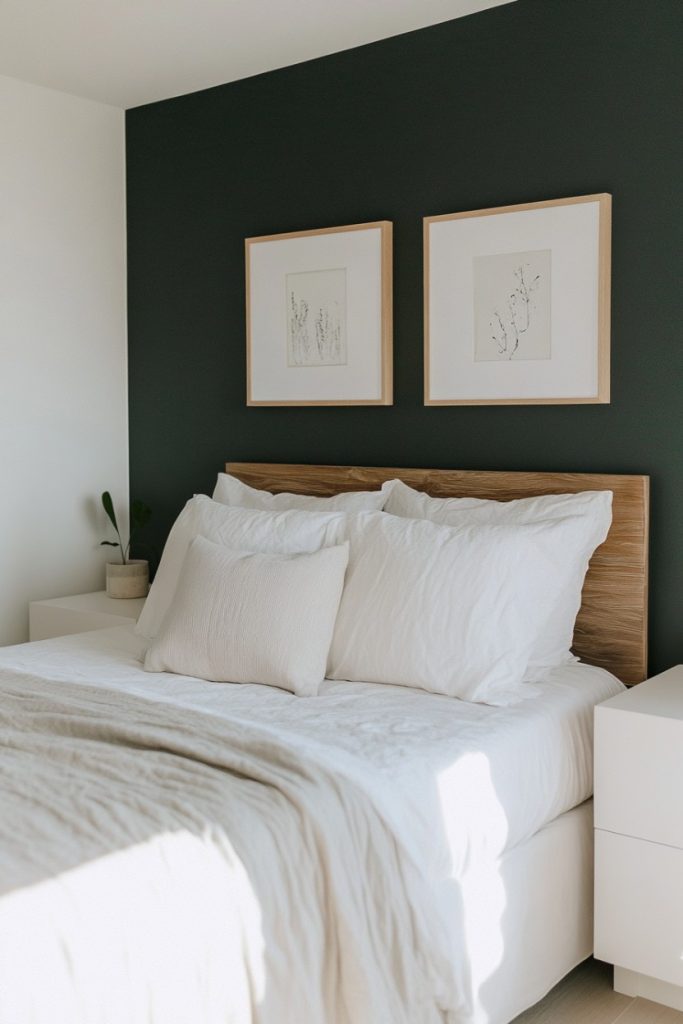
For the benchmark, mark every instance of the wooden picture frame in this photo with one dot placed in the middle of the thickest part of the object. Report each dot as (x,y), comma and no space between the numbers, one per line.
(319,316)
(517,304)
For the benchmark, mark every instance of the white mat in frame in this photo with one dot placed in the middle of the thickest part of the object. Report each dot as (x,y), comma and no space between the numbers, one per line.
(319,316)
(517,308)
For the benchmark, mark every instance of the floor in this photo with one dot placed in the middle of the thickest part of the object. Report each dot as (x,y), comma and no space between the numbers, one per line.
(586,996)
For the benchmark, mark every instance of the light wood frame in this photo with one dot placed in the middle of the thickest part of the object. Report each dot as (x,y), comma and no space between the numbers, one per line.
(603,313)
(611,628)
(386,396)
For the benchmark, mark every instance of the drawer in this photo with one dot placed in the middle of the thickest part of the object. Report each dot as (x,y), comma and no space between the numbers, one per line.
(81,613)
(639,906)
(45,623)
(639,775)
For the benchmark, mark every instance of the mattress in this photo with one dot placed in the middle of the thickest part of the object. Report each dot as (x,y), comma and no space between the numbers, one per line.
(465,781)
(478,799)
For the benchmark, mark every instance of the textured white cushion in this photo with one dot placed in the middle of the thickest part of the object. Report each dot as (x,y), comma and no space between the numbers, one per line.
(252,618)
(450,610)
(592,509)
(231,491)
(243,529)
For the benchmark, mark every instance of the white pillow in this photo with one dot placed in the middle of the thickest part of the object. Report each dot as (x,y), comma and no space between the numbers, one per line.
(456,611)
(593,509)
(239,528)
(252,618)
(405,501)
(231,491)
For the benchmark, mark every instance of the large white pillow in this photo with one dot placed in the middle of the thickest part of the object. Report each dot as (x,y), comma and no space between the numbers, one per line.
(252,618)
(451,610)
(592,509)
(231,491)
(405,501)
(243,529)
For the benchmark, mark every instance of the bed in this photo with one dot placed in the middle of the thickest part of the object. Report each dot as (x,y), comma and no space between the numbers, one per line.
(419,858)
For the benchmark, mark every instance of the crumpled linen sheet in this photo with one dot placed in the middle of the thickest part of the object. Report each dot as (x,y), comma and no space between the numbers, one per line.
(159,865)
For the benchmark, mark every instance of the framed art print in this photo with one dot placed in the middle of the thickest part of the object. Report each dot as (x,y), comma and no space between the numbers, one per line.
(517,304)
(319,317)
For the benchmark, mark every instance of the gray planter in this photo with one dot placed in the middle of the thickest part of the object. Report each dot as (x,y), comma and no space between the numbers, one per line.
(130,580)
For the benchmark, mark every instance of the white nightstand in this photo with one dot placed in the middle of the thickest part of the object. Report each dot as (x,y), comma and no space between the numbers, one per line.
(80,614)
(639,838)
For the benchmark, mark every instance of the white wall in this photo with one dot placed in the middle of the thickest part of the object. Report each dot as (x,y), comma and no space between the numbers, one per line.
(63,390)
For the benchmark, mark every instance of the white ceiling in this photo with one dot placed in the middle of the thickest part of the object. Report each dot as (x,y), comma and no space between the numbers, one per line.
(128,52)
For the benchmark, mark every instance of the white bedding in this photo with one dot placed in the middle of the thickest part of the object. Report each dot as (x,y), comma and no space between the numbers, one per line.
(480,779)
(458,783)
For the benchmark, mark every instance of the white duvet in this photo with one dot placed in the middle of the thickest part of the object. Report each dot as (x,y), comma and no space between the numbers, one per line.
(326,888)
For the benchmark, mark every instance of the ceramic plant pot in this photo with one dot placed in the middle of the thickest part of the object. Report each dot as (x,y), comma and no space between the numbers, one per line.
(130,580)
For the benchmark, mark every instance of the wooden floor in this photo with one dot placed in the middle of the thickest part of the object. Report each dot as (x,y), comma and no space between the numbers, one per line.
(586,996)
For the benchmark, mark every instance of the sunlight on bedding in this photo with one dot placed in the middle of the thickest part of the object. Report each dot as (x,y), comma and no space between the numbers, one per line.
(179,910)
(340,808)
(468,787)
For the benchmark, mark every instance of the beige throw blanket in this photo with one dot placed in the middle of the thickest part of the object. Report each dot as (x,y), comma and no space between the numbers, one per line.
(161,866)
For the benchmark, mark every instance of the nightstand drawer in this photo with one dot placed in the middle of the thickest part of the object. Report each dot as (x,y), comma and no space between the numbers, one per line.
(639,774)
(639,906)
(63,616)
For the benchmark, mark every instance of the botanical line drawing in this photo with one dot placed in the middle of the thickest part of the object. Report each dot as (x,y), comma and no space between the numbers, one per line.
(508,327)
(316,318)
(512,306)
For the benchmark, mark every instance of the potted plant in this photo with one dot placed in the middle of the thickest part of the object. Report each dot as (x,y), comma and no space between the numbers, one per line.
(130,576)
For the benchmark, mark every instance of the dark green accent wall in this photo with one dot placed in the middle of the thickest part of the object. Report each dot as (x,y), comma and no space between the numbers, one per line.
(533,100)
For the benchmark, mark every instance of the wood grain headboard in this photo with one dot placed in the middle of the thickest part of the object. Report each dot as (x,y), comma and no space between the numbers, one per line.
(611,628)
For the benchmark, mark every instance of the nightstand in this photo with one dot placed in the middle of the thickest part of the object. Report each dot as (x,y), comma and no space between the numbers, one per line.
(639,838)
(80,614)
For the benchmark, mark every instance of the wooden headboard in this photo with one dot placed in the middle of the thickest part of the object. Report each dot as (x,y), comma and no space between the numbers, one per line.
(611,628)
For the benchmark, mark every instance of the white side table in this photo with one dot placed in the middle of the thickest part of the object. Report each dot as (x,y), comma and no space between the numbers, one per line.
(80,614)
(639,838)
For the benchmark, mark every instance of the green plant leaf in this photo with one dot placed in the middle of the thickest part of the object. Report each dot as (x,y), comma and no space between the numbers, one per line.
(108,505)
